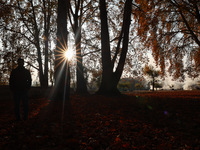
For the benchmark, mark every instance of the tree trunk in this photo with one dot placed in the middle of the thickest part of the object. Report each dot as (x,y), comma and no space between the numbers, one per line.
(105,86)
(41,75)
(153,83)
(81,83)
(37,40)
(62,78)
(125,29)
(110,79)
(47,17)
(46,60)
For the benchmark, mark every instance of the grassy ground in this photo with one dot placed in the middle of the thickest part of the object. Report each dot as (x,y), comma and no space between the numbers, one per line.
(138,120)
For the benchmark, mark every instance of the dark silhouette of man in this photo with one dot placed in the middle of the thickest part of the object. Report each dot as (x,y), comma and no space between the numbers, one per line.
(20,83)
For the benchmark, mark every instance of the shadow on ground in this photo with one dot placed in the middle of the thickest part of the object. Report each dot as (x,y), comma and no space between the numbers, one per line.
(143,120)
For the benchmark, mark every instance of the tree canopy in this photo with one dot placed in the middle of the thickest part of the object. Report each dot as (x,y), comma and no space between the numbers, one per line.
(170,28)
(110,37)
(26,29)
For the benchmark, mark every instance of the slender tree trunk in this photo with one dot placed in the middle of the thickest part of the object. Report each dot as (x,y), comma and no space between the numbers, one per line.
(47,15)
(37,40)
(46,60)
(195,37)
(41,74)
(62,78)
(153,84)
(81,84)
(77,17)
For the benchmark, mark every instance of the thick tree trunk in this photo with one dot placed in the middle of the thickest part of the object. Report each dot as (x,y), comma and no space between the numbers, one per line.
(110,79)
(106,84)
(62,78)
(125,30)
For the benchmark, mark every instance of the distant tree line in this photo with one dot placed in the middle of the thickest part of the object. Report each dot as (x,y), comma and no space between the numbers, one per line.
(130,84)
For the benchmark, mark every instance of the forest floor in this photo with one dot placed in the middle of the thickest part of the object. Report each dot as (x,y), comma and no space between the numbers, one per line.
(138,120)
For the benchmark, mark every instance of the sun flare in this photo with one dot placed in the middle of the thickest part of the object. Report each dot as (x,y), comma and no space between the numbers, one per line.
(69,54)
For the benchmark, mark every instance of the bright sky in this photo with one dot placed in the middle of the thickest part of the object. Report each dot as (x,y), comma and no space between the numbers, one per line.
(168,80)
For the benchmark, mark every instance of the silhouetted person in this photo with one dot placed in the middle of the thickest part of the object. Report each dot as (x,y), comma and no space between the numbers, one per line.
(20,83)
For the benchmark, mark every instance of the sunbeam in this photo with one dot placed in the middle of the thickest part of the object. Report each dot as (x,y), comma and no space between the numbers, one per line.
(63,57)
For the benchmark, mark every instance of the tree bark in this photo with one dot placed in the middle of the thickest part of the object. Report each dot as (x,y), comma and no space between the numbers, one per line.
(62,75)
(105,51)
(81,83)
(37,43)
(47,17)
(125,29)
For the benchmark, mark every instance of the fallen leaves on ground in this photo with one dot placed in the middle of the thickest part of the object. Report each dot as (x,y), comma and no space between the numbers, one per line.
(139,120)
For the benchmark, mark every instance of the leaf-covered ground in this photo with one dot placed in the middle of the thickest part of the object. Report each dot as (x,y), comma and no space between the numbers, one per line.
(139,120)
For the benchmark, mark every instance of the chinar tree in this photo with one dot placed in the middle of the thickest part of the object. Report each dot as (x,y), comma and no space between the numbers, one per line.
(170,28)
(110,74)
(152,73)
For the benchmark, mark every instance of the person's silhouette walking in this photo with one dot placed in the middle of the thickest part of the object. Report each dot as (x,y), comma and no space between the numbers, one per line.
(20,82)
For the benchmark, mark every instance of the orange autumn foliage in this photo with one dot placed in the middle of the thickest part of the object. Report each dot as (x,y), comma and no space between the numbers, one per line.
(170,29)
